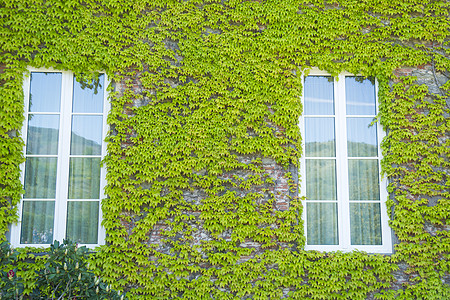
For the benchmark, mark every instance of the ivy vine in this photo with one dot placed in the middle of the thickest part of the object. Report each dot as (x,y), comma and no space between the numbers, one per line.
(205,99)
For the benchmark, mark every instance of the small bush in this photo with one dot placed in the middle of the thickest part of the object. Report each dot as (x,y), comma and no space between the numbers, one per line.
(65,275)
(10,284)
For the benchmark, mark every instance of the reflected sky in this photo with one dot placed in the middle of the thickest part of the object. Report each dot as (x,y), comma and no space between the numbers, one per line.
(319,137)
(42,136)
(88,100)
(86,135)
(360,96)
(319,95)
(360,135)
(45,92)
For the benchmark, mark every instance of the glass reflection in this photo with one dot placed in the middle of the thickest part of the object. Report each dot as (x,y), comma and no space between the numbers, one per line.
(365,223)
(45,92)
(319,137)
(360,95)
(363,179)
(42,134)
(82,221)
(86,138)
(37,222)
(321,179)
(84,178)
(88,98)
(40,178)
(319,95)
(361,139)
(322,224)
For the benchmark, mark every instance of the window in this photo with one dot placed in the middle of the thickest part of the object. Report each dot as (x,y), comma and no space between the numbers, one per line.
(340,166)
(64,131)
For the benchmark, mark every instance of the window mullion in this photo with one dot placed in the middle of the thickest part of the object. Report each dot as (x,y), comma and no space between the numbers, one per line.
(341,164)
(63,158)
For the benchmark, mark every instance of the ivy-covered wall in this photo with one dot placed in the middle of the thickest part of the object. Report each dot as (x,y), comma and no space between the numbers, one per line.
(204,143)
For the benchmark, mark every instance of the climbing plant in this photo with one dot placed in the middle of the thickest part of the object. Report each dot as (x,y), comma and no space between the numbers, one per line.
(205,101)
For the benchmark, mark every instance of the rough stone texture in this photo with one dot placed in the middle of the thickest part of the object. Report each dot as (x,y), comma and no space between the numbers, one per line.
(428,76)
(280,189)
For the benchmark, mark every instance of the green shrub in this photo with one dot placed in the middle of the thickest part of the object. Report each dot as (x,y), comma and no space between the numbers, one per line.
(65,275)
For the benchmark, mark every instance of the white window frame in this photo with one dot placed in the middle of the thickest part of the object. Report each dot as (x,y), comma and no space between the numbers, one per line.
(65,123)
(342,185)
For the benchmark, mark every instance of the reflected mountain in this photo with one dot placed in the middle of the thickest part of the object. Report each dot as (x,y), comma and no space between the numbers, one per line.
(321,173)
(40,183)
(43,140)
(328,149)
(363,181)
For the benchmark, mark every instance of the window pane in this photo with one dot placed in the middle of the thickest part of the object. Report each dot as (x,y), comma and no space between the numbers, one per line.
(45,92)
(37,222)
(86,138)
(360,96)
(88,99)
(40,178)
(322,224)
(84,178)
(361,139)
(42,135)
(319,95)
(82,221)
(363,179)
(365,223)
(321,179)
(319,137)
